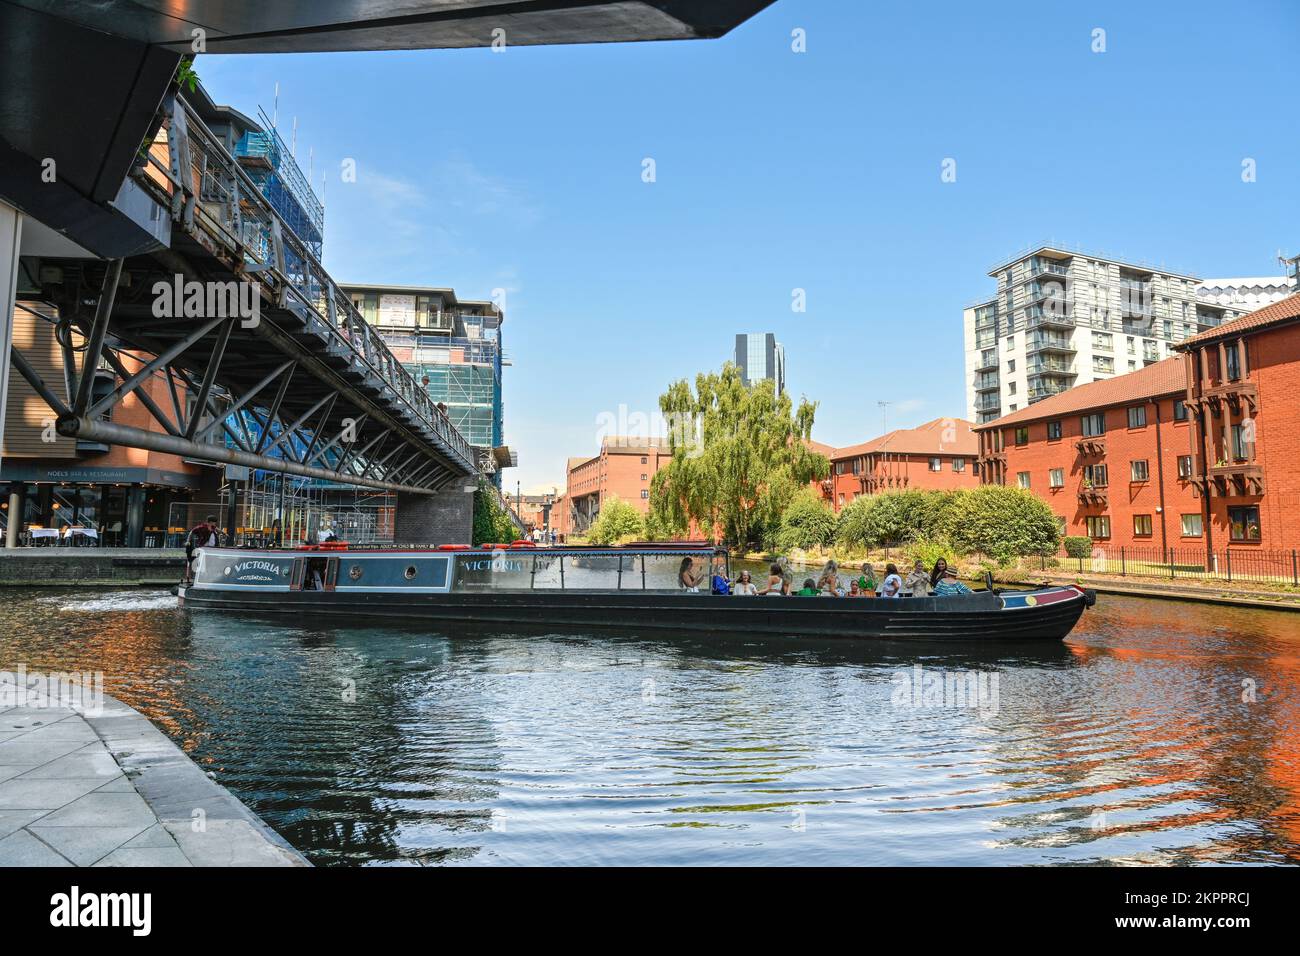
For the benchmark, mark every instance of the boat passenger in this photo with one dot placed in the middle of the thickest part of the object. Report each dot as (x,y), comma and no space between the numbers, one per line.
(854,589)
(892,586)
(720,583)
(205,535)
(687,578)
(829,582)
(744,586)
(787,576)
(775,582)
(809,589)
(918,581)
(867,581)
(949,585)
(940,568)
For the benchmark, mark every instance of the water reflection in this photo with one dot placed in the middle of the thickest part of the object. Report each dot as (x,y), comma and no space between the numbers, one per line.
(1160,733)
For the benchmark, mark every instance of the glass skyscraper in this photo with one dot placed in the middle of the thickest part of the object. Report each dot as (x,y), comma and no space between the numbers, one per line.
(760,356)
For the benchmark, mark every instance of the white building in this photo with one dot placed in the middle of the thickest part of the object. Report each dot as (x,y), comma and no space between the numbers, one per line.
(1063,317)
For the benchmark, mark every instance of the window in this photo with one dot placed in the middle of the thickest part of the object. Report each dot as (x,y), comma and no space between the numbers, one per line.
(1243,523)
(1180,410)
(1098,526)
(644,460)
(1093,425)
(1022,435)
(1056,478)
(975,469)
(1132,346)
(1103,363)
(1139,470)
(1141,526)
(1053,431)
(1185,467)
(645,493)
(1011,388)
(1137,416)
(1095,476)
(1101,342)
(1191,526)
(1234,362)
(936,464)
(1022,478)
(644,477)
(959,464)
(1239,443)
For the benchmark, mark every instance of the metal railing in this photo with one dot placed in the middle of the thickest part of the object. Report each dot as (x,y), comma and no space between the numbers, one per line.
(1232,565)
(231,210)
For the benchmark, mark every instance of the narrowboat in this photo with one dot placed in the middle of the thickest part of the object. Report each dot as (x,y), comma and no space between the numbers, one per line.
(625,587)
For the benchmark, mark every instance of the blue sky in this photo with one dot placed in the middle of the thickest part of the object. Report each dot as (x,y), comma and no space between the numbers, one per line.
(777,171)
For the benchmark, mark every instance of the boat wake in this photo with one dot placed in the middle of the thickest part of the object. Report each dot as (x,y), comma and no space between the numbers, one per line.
(116,601)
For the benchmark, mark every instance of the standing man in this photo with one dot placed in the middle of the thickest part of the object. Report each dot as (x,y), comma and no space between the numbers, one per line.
(205,535)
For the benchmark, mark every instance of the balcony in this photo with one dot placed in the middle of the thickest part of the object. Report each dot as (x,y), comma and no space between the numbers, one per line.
(1238,396)
(1050,366)
(1093,495)
(1091,445)
(986,365)
(1043,267)
(1039,392)
(988,403)
(1235,479)
(1050,343)
(986,383)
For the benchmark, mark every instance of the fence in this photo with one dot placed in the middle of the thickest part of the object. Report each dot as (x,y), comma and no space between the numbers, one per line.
(1229,565)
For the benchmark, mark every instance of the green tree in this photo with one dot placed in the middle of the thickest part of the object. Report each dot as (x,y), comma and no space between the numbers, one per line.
(807,523)
(492,524)
(617,521)
(738,456)
(892,518)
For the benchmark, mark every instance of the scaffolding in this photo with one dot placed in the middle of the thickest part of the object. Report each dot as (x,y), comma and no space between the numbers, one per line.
(271,165)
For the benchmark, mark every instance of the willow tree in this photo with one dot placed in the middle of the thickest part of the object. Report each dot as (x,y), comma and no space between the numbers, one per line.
(739,455)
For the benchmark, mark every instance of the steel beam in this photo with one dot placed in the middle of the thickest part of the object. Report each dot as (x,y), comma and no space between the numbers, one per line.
(98,332)
(111,433)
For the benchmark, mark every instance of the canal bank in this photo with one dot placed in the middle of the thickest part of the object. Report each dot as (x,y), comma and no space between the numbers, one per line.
(94,783)
(90,567)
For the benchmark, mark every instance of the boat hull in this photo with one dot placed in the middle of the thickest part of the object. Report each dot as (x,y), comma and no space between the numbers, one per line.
(1047,615)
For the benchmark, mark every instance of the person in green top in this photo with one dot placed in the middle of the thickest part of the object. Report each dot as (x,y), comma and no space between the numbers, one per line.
(809,589)
(867,580)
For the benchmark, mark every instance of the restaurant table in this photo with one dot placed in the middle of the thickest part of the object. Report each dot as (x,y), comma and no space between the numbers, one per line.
(89,533)
(47,536)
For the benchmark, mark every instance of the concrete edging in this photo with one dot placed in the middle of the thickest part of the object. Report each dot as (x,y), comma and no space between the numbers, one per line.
(175,787)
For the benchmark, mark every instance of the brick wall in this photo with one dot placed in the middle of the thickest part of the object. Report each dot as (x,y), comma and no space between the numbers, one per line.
(444,518)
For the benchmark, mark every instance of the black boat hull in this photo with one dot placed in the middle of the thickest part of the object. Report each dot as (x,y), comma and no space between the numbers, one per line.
(979,617)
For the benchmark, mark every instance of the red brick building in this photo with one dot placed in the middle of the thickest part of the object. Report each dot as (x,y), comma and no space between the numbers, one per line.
(623,470)
(1243,392)
(1198,451)
(939,455)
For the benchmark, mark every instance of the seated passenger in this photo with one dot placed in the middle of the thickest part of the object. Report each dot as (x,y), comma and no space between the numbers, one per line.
(940,569)
(744,586)
(775,582)
(949,585)
(892,586)
(918,581)
(829,582)
(720,583)
(854,590)
(687,578)
(867,580)
(809,589)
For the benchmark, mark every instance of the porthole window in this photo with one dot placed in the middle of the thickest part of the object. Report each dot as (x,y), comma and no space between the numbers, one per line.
(354,572)
(410,572)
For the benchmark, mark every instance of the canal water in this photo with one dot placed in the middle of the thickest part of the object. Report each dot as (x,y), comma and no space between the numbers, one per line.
(1159,733)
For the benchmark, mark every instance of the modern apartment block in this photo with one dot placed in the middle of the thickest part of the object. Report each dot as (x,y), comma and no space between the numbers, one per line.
(1062,318)
(453,346)
(760,356)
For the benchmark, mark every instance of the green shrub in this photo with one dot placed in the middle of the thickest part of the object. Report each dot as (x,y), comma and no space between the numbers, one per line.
(807,523)
(930,550)
(1078,547)
(492,524)
(617,521)
(1001,522)
(873,521)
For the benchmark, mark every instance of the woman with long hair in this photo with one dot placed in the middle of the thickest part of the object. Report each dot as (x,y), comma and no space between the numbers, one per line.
(940,568)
